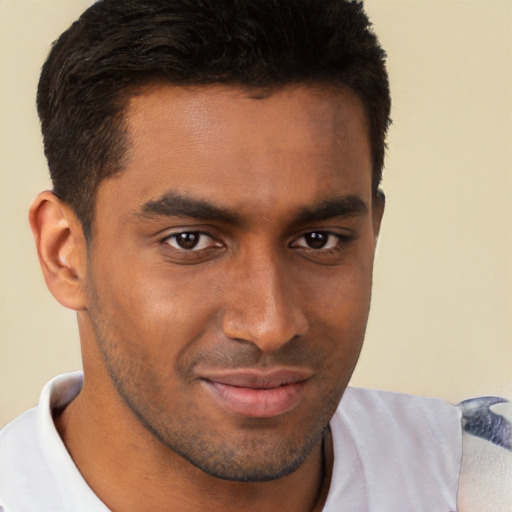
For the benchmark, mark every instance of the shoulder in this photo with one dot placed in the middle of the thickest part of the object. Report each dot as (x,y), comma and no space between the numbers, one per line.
(485,483)
(400,411)
(35,468)
(397,451)
(22,465)
(468,446)
(18,438)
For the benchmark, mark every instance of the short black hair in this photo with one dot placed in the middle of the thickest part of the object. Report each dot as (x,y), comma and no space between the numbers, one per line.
(116,47)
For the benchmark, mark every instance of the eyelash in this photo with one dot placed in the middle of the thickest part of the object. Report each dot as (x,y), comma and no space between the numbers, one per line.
(323,233)
(313,233)
(199,234)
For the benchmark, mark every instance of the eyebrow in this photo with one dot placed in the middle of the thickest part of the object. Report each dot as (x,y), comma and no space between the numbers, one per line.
(172,204)
(335,207)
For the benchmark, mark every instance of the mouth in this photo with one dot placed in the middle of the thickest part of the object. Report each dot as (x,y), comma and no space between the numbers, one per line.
(257,394)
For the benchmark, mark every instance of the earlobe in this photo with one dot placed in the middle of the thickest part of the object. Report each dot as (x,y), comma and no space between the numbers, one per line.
(61,249)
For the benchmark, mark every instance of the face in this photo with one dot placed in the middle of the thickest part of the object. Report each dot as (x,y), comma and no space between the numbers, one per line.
(229,273)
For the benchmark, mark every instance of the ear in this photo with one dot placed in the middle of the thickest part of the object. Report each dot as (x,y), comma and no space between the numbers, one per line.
(378,206)
(61,248)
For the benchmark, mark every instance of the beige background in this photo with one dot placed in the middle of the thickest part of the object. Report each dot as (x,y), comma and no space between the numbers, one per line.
(441,318)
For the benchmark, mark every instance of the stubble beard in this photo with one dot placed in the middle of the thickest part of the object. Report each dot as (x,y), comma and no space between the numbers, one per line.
(255,455)
(251,458)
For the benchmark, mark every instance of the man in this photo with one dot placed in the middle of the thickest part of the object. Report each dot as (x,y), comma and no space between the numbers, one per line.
(213,222)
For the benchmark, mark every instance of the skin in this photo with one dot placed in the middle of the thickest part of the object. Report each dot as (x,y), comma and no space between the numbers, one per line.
(280,278)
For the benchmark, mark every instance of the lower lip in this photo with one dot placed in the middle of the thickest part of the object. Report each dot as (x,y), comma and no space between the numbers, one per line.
(257,403)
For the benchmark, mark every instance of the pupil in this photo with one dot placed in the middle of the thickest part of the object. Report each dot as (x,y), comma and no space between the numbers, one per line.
(187,240)
(316,240)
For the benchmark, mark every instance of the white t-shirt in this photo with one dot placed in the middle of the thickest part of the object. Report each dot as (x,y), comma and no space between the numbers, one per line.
(392,453)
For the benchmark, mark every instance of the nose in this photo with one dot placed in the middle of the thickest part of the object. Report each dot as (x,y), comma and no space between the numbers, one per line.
(264,305)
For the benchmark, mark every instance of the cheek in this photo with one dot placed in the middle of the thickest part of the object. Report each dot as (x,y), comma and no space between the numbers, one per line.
(153,311)
(341,295)
(338,306)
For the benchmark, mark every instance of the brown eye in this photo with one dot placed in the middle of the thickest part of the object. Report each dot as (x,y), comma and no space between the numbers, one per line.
(317,239)
(191,241)
(323,247)
(187,240)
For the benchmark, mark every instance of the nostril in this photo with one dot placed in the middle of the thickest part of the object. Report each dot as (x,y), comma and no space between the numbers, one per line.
(268,331)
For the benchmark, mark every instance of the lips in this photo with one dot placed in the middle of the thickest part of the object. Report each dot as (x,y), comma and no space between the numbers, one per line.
(257,394)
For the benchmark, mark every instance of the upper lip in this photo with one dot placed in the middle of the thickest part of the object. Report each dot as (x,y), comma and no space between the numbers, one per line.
(257,378)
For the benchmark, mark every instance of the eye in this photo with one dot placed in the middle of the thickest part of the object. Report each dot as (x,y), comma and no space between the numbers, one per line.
(318,240)
(191,241)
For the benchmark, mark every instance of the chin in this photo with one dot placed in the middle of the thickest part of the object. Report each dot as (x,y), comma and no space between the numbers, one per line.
(249,470)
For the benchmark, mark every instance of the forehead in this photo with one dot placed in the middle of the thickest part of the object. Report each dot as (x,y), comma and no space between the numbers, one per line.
(227,145)
(308,108)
